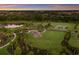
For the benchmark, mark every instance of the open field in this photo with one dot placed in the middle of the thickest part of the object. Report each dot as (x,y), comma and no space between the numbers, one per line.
(49,40)
(39,33)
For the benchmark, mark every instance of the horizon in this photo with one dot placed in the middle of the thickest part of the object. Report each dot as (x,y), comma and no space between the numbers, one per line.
(39,6)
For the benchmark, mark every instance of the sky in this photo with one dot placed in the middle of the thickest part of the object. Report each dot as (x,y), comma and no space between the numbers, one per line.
(39,6)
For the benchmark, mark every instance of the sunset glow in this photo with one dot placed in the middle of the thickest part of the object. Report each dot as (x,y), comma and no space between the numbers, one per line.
(39,6)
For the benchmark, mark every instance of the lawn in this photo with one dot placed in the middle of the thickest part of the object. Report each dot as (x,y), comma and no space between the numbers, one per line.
(50,40)
(3,51)
(74,40)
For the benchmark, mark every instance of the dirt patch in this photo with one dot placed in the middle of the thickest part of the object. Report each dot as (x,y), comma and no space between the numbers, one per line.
(35,33)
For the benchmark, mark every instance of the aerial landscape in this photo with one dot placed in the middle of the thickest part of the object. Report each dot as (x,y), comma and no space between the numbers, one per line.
(39,29)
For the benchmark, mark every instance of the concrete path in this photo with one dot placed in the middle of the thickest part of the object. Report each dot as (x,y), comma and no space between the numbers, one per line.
(9,42)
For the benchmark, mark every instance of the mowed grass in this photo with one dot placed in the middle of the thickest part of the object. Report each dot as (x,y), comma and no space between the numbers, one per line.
(50,40)
(3,51)
(74,40)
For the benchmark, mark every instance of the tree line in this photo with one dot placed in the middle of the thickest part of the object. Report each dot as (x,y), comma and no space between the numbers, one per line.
(38,16)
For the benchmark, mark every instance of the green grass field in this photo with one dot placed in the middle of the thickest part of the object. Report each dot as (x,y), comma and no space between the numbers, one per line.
(74,41)
(50,40)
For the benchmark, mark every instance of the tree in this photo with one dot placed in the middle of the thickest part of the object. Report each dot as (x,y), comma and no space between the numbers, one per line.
(17,51)
(40,27)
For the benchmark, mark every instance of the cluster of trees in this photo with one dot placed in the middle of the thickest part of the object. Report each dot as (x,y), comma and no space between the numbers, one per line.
(3,38)
(39,16)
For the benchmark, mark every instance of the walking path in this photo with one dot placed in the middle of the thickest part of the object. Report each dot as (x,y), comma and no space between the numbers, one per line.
(9,42)
(28,30)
